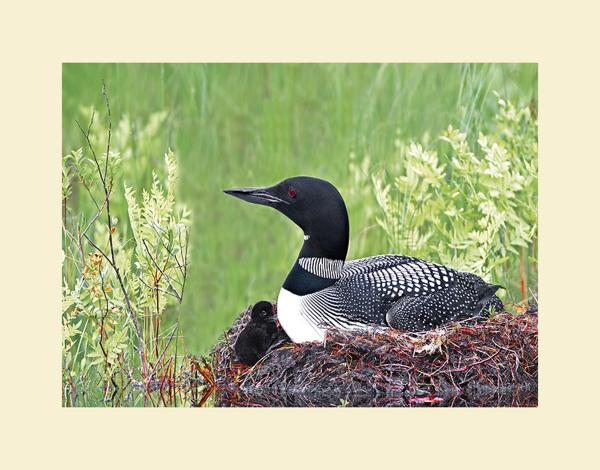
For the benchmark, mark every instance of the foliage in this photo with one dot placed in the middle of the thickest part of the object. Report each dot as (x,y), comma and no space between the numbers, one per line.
(471,207)
(256,124)
(121,293)
(248,124)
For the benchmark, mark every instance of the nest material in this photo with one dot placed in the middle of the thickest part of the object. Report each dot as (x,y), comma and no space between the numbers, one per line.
(489,363)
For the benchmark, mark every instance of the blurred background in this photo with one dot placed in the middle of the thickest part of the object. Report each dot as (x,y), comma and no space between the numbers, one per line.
(255,124)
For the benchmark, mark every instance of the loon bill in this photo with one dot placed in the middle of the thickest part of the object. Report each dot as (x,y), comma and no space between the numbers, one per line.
(323,290)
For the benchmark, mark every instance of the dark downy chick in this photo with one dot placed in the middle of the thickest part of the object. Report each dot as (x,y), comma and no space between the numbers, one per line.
(260,335)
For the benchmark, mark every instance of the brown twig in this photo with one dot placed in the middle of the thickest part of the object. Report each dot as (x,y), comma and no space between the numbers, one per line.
(107,187)
(470,361)
(166,276)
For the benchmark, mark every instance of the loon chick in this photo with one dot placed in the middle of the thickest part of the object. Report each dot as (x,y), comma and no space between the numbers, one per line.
(323,290)
(260,335)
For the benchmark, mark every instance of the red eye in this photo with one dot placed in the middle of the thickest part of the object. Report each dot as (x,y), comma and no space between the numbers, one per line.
(292,192)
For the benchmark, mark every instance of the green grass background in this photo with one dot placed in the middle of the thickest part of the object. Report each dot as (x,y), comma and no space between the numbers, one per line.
(255,124)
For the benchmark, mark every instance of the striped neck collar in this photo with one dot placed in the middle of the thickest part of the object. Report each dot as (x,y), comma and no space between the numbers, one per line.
(322,267)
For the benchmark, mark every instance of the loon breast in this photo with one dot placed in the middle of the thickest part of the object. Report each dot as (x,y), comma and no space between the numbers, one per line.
(291,313)
(307,317)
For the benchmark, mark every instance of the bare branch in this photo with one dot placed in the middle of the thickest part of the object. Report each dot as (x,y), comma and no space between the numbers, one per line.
(185,257)
(156,288)
(98,213)
(162,272)
(87,138)
(105,94)
(91,121)
(159,235)
(99,250)
(163,351)
(87,188)
(112,258)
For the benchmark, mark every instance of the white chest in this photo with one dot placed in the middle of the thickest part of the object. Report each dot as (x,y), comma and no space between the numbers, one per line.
(296,325)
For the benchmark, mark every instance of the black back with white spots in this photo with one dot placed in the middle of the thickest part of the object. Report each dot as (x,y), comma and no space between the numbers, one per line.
(401,292)
(468,296)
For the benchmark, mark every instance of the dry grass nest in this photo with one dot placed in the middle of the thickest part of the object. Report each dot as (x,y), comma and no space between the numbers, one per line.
(488,363)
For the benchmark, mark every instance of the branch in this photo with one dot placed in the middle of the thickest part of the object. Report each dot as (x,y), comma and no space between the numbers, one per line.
(105,94)
(87,138)
(91,121)
(154,227)
(99,250)
(176,327)
(112,258)
(100,209)
(162,272)
(155,288)
(185,257)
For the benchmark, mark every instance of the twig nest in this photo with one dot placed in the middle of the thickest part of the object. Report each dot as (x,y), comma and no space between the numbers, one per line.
(490,363)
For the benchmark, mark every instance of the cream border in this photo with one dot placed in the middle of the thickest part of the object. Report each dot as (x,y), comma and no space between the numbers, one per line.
(37,38)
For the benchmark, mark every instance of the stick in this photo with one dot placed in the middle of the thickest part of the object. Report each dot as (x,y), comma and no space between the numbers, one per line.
(175,293)
(112,259)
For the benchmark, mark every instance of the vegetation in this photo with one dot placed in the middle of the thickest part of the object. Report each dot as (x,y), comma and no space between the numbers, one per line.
(472,207)
(117,286)
(467,198)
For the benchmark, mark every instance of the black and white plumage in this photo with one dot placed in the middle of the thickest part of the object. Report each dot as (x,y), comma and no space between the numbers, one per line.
(324,291)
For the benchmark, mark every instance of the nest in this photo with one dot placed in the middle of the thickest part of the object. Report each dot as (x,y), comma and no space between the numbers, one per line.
(488,363)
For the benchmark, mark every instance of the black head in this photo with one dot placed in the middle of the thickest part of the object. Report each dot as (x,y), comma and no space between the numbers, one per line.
(262,311)
(315,205)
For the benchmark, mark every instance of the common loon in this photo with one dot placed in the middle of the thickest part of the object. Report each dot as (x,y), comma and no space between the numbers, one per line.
(323,290)
(260,335)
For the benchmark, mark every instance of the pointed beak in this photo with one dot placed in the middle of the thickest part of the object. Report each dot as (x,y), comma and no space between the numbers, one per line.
(263,196)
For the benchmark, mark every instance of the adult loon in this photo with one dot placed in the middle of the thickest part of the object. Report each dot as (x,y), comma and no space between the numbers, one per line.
(323,290)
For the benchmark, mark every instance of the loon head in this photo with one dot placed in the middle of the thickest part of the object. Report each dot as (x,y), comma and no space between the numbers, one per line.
(315,205)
